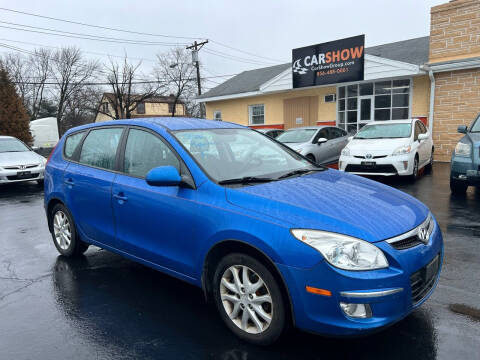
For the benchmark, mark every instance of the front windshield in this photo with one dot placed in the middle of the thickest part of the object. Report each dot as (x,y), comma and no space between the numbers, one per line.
(227,154)
(12,145)
(297,135)
(385,131)
(476,126)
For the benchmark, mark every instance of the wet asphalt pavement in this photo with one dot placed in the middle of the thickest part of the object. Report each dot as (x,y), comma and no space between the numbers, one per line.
(103,306)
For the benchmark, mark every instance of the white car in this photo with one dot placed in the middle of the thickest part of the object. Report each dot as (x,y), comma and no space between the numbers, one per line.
(18,162)
(387,148)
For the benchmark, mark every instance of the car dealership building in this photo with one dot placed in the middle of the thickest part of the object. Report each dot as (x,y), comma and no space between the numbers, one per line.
(435,78)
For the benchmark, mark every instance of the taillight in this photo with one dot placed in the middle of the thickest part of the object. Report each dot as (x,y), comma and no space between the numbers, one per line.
(49,156)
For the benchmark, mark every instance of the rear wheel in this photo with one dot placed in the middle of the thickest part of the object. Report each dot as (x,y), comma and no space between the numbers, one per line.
(458,187)
(249,299)
(64,233)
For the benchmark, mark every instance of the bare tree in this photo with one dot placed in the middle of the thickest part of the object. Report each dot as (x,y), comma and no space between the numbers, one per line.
(80,108)
(175,68)
(30,75)
(70,73)
(126,92)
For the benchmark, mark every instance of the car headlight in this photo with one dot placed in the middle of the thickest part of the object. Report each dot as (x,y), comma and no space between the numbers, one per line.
(463,149)
(402,150)
(343,251)
(346,151)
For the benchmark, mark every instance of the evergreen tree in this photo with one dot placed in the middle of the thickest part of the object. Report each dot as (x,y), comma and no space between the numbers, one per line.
(14,119)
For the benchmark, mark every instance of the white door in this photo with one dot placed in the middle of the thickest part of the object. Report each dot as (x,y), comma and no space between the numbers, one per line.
(365,110)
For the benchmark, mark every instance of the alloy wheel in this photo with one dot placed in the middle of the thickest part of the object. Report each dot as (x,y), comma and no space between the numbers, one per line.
(62,230)
(246,299)
(415,168)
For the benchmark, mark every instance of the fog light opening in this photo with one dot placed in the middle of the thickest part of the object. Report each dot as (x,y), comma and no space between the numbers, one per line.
(405,165)
(361,311)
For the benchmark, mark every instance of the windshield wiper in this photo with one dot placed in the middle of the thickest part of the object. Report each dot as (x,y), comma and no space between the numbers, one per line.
(246,180)
(298,172)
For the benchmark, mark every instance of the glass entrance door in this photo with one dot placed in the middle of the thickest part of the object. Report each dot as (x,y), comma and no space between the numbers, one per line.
(365,110)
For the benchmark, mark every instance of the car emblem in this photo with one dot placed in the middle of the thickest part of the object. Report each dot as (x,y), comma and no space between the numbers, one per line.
(423,235)
(368,156)
(22,167)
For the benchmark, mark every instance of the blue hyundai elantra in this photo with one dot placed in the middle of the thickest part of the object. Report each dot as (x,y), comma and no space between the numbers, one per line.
(272,239)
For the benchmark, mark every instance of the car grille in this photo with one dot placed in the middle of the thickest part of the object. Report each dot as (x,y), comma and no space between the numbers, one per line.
(20,167)
(27,176)
(374,157)
(406,243)
(390,169)
(422,281)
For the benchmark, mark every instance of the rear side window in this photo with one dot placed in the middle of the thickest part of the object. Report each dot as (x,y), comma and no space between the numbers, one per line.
(100,148)
(71,144)
(145,151)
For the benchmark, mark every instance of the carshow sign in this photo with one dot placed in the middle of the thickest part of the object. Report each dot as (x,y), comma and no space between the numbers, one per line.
(329,63)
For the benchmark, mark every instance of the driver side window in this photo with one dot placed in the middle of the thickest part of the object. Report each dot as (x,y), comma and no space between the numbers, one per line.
(145,151)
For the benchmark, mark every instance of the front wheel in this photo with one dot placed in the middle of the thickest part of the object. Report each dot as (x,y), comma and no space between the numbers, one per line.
(64,233)
(249,299)
(311,158)
(414,175)
(457,187)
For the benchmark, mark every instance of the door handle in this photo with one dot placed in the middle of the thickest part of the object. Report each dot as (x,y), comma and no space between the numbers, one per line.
(120,196)
(69,182)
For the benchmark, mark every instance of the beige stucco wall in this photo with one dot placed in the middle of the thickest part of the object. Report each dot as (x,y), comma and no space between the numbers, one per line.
(420,96)
(236,110)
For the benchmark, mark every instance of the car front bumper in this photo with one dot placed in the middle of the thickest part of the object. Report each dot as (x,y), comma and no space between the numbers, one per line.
(11,176)
(388,292)
(465,170)
(387,166)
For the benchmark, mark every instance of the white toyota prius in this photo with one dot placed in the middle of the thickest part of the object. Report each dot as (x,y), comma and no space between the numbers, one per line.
(18,162)
(388,148)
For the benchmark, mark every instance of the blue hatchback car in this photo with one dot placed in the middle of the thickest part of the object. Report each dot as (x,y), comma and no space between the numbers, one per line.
(465,165)
(273,239)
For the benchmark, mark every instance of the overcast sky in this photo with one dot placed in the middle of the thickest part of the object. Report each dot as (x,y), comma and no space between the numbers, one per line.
(267,29)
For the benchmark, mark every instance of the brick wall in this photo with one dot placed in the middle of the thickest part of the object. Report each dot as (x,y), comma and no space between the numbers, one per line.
(455,30)
(454,35)
(457,102)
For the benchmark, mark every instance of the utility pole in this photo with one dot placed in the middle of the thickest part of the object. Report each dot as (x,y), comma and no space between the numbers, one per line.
(195,47)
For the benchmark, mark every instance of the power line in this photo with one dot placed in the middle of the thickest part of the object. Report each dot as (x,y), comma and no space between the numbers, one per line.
(137,32)
(69,34)
(96,26)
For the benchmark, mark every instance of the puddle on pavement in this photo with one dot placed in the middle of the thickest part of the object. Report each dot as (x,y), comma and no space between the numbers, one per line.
(465,310)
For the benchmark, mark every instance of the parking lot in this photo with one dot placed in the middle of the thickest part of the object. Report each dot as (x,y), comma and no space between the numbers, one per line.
(103,306)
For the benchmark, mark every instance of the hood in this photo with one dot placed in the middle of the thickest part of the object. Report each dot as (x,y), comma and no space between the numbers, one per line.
(19,158)
(376,147)
(334,201)
(296,146)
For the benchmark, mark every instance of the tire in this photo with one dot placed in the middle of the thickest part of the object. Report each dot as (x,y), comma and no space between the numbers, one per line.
(64,233)
(414,175)
(247,297)
(457,187)
(311,158)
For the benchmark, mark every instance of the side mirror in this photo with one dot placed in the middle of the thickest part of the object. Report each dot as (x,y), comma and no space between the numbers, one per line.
(462,129)
(163,176)
(422,137)
(321,141)
(350,138)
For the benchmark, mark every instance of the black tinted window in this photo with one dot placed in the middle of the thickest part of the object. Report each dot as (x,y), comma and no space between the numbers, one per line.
(100,147)
(336,133)
(145,151)
(71,144)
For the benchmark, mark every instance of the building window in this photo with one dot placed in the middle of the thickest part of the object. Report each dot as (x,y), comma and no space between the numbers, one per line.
(170,108)
(256,114)
(105,107)
(359,104)
(217,115)
(141,108)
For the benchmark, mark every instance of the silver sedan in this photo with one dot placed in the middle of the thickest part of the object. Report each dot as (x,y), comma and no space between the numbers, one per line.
(321,144)
(18,162)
